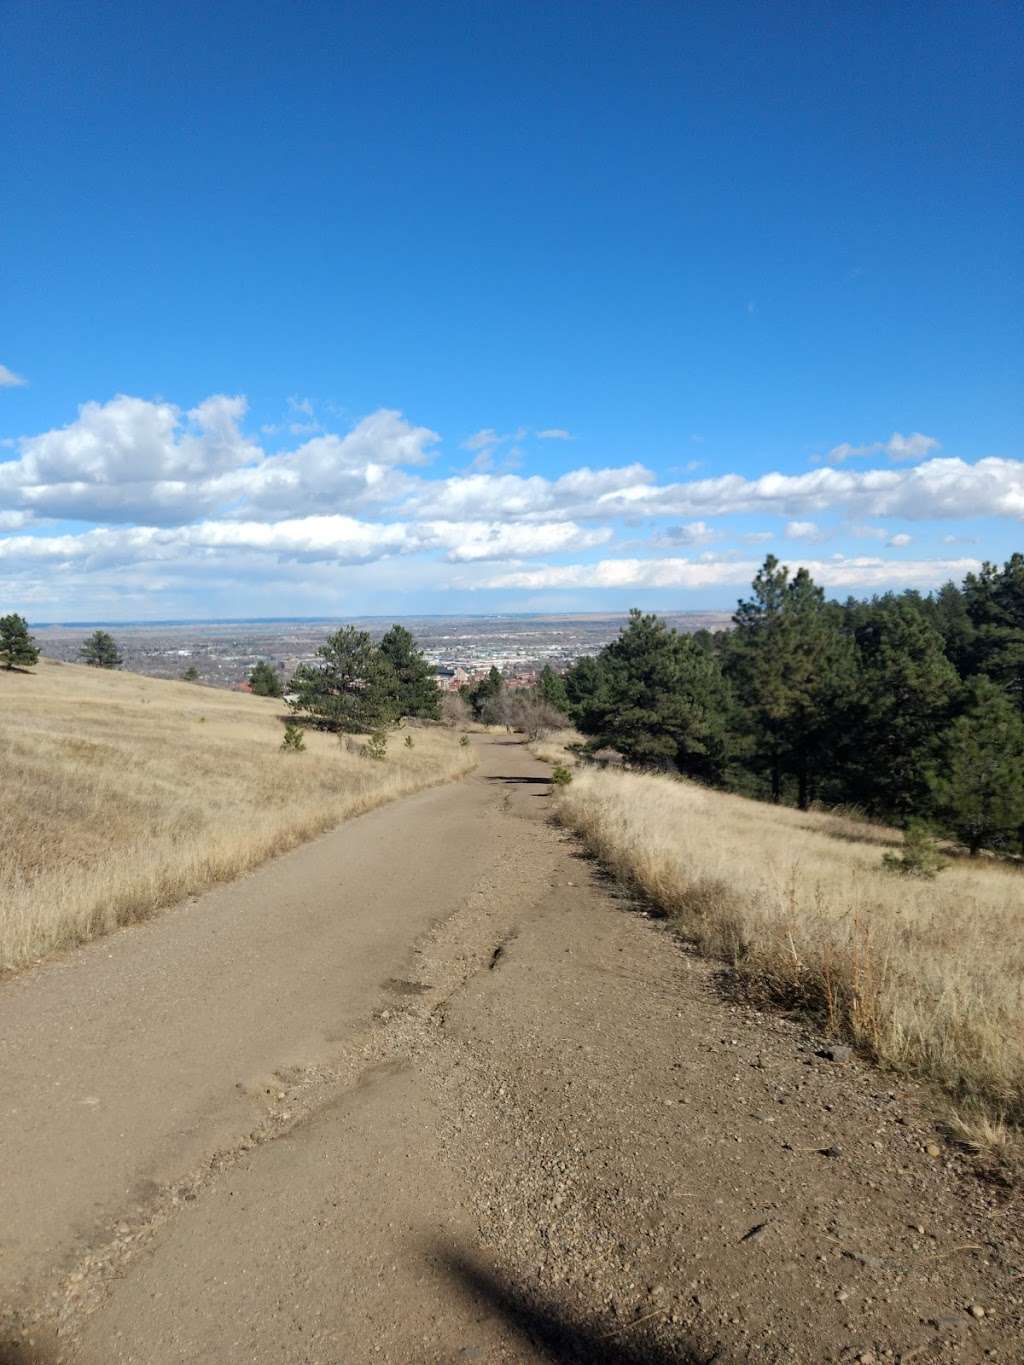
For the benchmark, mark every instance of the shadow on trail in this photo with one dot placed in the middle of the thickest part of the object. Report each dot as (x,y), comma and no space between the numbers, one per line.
(524,781)
(566,1336)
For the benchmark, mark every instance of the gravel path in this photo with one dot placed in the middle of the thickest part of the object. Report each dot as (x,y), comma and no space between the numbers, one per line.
(431,1089)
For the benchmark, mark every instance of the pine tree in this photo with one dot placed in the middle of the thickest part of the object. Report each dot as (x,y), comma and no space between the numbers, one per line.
(17,647)
(792,666)
(100,651)
(350,688)
(551,686)
(995,605)
(191,674)
(265,680)
(661,699)
(415,683)
(487,698)
(907,691)
(979,788)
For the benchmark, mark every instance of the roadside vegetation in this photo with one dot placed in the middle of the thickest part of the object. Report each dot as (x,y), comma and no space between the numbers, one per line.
(927,975)
(123,794)
(876,880)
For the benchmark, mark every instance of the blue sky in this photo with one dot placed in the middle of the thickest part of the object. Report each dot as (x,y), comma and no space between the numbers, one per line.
(325,308)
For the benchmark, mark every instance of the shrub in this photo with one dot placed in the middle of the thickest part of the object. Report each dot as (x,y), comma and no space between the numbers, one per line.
(560,776)
(409,742)
(377,745)
(464,741)
(919,855)
(293,741)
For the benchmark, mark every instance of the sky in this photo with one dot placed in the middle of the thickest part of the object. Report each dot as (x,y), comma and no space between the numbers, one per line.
(322,308)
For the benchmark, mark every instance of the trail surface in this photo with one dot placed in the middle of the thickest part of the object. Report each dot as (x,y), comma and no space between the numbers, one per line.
(429,1089)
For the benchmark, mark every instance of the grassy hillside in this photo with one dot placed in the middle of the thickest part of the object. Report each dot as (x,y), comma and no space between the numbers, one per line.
(122,794)
(925,975)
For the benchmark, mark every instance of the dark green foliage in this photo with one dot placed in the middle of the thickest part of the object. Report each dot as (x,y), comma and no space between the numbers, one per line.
(351,688)
(792,668)
(551,686)
(265,680)
(487,698)
(100,651)
(293,741)
(906,693)
(659,700)
(994,600)
(17,647)
(979,786)
(560,775)
(919,854)
(191,674)
(415,685)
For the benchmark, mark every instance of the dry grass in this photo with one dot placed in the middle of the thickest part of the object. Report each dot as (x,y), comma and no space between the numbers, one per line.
(554,748)
(122,794)
(927,976)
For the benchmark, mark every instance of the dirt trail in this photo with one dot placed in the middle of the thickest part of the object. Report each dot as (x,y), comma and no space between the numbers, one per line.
(429,1089)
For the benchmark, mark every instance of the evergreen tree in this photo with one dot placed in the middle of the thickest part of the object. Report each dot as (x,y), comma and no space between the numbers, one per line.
(351,687)
(551,686)
(582,686)
(415,683)
(907,691)
(17,647)
(265,680)
(487,698)
(792,666)
(979,789)
(995,604)
(100,651)
(191,674)
(661,699)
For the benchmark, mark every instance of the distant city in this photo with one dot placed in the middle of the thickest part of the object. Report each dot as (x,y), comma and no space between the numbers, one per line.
(461,647)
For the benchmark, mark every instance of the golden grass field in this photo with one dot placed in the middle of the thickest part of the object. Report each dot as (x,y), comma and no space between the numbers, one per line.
(927,976)
(122,794)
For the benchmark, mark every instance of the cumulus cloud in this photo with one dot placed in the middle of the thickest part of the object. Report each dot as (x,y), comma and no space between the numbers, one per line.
(689,533)
(10,380)
(803,530)
(897,447)
(335,539)
(838,572)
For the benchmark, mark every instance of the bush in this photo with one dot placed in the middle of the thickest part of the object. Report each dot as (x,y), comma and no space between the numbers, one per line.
(377,745)
(919,856)
(560,776)
(409,741)
(293,741)
(464,741)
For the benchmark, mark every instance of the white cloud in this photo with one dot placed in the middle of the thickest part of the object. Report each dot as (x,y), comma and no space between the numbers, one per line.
(897,447)
(804,530)
(555,434)
(689,533)
(486,439)
(337,539)
(898,541)
(10,380)
(838,572)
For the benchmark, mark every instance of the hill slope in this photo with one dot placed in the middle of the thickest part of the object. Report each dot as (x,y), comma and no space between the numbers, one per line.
(123,794)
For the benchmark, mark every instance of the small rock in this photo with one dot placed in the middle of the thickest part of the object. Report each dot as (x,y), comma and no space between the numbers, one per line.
(834,1153)
(836,1052)
(756,1232)
(977,1311)
(933,1149)
(866,1358)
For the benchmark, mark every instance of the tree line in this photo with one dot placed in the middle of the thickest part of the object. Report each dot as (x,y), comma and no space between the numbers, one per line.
(909,706)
